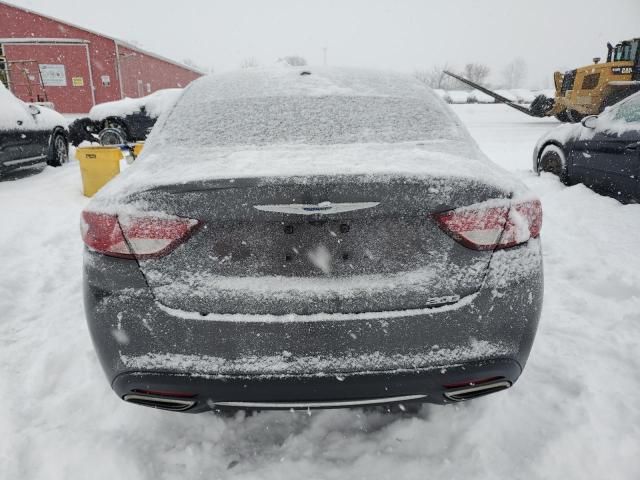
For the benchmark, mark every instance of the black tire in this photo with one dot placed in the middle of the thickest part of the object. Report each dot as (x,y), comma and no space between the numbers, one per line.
(114,132)
(58,150)
(112,136)
(553,160)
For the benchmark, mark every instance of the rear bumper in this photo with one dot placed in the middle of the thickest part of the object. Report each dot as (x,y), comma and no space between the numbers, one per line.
(311,391)
(143,346)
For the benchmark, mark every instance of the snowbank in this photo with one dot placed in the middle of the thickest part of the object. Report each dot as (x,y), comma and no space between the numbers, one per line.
(547,92)
(519,95)
(522,95)
(458,96)
(573,415)
(507,94)
(480,97)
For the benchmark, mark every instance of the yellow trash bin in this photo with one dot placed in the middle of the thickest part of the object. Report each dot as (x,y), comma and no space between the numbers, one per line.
(98,165)
(137,148)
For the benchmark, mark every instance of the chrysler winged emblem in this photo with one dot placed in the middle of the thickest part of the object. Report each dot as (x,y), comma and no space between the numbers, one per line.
(322,208)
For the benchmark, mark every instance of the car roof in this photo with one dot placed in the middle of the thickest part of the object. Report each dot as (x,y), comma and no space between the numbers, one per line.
(306,81)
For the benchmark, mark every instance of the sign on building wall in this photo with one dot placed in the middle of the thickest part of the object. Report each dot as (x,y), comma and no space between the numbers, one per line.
(78,81)
(53,75)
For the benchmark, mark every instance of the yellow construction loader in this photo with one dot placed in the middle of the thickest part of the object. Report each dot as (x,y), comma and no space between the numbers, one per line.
(585,90)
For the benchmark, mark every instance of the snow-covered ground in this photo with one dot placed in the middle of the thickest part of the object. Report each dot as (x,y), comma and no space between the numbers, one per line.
(574,414)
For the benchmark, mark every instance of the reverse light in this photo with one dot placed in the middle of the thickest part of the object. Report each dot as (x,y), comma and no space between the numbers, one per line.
(493,224)
(135,236)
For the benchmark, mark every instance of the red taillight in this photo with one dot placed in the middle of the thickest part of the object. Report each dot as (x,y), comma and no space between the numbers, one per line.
(101,232)
(494,224)
(135,236)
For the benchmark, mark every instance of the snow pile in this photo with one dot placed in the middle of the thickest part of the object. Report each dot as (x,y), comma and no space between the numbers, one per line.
(573,414)
(519,95)
(480,97)
(522,95)
(547,92)
(458,96)
(155,104)
(507,94)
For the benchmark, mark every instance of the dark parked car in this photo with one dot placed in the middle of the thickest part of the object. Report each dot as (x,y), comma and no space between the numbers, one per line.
(30,135)
(311,239)
(603,152)
(123,121)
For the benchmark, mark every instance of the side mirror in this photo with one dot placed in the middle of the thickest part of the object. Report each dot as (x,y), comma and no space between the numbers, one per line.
(33,110)
(590,122)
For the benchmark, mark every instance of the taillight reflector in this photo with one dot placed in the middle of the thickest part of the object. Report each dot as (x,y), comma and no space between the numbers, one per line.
(491,225)
(135,236)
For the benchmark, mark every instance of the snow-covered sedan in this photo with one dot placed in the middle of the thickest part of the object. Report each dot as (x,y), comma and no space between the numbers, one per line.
(123,121)
(602,152)
(30,135)
(311,239)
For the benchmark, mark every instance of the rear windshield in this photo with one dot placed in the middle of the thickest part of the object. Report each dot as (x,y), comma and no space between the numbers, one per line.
(320,120)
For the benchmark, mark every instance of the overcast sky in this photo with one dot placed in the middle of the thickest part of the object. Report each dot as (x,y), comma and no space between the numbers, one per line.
(397,34)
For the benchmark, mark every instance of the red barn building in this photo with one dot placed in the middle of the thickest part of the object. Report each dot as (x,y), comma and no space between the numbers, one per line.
(45,59)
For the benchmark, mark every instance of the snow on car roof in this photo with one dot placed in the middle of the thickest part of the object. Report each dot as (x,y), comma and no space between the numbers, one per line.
(13,109)
(444,149)
(155,104)
(288,81)
(481,97)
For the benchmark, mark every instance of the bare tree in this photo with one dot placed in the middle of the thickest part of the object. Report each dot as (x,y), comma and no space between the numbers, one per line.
(514,73)
(249,62)
(476,72)
(436,78)
(294,60)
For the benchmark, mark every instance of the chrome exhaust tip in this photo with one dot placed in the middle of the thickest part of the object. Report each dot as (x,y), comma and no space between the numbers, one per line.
(473,391)
(172,404)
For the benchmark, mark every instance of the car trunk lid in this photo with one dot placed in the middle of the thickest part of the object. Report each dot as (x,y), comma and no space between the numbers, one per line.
(315,244)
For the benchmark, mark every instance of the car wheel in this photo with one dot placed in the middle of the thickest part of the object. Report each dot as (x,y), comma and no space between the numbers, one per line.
(112,136)
(59,151)
(552,160)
